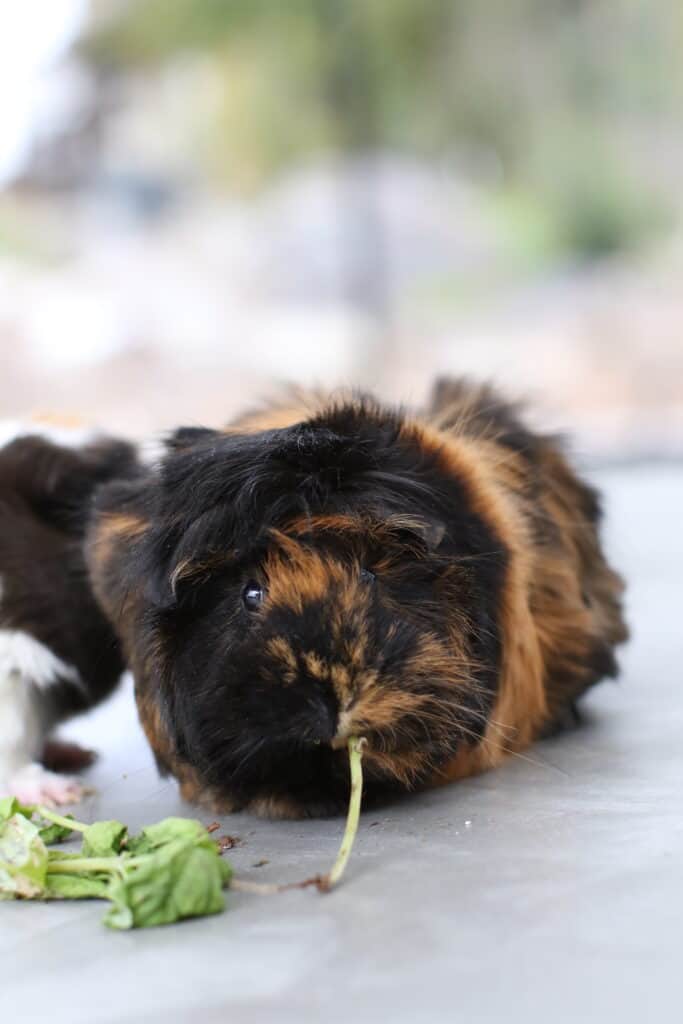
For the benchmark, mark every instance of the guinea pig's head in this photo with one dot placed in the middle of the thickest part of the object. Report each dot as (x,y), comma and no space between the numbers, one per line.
(305,584)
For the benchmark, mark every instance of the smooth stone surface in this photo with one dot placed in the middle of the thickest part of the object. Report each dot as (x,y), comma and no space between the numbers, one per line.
(550,890)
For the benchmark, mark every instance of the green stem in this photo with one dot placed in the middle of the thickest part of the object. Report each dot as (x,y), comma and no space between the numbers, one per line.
(74,865)
(78,865)
(337,869)
(57,819)
(324,882)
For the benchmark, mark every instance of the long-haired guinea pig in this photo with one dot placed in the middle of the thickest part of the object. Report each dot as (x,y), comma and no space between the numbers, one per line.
(58,653)
(335,567)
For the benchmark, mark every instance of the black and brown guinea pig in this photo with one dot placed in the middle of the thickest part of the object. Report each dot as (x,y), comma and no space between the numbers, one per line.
(58,653)
(335,567)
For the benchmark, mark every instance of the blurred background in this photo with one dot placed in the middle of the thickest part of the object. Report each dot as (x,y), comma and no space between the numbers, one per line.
(202,198)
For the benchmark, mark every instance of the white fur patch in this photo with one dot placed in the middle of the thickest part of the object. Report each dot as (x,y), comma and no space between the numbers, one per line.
(27,659)
(67,437)
(22,727)
(26,668)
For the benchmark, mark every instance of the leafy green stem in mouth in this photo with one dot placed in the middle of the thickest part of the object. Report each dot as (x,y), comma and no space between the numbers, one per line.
(326,882)
(337,870)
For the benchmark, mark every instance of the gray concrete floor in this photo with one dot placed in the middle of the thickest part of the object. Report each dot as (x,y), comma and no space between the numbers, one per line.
(550,890)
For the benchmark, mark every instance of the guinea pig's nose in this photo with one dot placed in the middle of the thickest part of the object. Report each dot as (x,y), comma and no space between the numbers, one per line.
(322,725)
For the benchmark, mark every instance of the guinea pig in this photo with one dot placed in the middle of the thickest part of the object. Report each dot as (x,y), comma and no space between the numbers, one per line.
(58,652)
(332,567)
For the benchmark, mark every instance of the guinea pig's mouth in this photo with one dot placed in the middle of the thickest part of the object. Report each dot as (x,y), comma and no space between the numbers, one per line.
(344,730)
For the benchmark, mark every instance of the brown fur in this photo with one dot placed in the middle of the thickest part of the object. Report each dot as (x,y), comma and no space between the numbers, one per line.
(550,630)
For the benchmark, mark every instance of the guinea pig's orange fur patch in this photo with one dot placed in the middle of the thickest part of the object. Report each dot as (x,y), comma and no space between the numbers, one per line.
(520,708)
(108,539)
(299,576)
(121,525)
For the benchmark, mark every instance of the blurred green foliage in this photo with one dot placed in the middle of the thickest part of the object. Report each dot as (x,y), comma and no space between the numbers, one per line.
(557,96)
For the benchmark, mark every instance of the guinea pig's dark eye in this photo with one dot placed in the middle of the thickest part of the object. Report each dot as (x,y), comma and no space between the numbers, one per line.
(252,596)
(367,576)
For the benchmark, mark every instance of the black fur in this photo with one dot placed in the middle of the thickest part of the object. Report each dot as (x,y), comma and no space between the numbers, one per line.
(45,495)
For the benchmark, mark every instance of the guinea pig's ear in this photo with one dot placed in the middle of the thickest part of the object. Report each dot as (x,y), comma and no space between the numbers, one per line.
(176,587)
(430,532)
(194,559)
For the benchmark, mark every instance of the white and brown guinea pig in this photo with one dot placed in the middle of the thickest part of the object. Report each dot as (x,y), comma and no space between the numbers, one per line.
(58,653)
(335,567)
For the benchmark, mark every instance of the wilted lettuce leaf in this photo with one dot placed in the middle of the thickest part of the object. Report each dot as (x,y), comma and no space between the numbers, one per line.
(23,859)
(183,878)
(104,839)
(166,831)
(172,870)
(76,887)
(9,805)
(51,834)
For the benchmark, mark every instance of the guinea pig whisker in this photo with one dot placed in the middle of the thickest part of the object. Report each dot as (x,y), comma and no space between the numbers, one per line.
(531,760)
(500,727)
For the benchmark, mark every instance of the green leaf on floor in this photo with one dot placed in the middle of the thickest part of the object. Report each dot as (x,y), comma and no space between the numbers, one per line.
(154,836)
(77,887)
(104,839)
(9,805)
(23,859)
(52,834)
(182,878)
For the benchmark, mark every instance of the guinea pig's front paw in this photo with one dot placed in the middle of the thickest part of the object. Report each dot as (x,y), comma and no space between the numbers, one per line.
(33,784)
